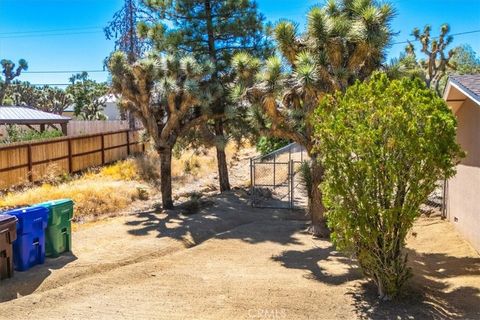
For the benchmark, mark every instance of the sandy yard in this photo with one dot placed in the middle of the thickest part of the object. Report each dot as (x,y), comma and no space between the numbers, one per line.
(233,262)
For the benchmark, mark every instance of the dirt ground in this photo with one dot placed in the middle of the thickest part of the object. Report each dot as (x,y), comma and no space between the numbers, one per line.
(233,262)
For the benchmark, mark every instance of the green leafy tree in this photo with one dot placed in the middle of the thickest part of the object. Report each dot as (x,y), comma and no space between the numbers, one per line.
(88,97)
(215,30)
(344,41)
(10,71)
(266,144)
(169,94)
(384,145)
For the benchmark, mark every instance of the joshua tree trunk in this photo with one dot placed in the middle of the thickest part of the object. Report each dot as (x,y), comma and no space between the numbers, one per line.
(166,177)
(3,90)
(221,159)
(317,210)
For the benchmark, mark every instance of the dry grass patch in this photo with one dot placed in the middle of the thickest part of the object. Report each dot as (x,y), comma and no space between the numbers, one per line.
(108,190)
(196,163)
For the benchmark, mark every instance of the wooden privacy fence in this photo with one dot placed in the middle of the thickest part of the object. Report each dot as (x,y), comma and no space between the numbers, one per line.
(77,127)
(24,162)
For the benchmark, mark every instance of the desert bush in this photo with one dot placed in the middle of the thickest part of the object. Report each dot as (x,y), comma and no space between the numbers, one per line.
(305,171)
(384,144)
(265,144)
(17,134)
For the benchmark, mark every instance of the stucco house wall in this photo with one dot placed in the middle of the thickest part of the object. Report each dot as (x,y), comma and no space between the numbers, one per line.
(463,190)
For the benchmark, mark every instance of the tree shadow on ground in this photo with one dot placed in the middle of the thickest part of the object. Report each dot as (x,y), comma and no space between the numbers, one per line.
(26,282)
(428,295)
(323,264)
(227,212)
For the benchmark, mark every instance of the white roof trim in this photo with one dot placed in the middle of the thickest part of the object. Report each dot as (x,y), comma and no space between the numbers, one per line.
(459,88)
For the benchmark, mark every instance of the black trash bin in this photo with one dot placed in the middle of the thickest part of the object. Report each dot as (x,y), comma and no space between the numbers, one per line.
(8,234)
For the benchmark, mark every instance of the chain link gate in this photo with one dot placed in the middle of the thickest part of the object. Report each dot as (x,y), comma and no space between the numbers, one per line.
(275,182)
(275,179)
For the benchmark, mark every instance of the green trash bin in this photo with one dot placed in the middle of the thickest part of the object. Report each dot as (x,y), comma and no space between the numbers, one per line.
(58,236)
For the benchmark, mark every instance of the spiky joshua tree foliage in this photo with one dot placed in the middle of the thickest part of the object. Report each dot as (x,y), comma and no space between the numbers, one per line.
(168,94)
(343,41)
(10,71)
(437,59)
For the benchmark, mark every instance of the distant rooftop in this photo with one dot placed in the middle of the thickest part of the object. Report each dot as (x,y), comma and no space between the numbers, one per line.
(23,115)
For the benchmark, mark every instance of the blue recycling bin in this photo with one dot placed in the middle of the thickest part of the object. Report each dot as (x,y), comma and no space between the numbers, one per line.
(29,247)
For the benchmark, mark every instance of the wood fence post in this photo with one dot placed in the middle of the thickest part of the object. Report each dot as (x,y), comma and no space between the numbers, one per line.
(30,164)
(70,158)
(103,148)
(128,142)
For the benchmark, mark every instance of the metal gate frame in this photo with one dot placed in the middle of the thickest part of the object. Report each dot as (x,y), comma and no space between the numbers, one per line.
(296,155)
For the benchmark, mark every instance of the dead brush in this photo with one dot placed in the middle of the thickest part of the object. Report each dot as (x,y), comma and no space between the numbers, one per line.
(97,192)
(194,204)
(148,167)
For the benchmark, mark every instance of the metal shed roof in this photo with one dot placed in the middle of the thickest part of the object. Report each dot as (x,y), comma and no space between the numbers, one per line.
(23,115)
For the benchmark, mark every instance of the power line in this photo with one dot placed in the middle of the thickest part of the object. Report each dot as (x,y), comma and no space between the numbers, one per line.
(453,34)
(41,84)
(50,30)
(67,71)
(49,35)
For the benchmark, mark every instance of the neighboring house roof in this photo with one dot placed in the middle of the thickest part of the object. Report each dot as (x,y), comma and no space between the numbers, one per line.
(23,115)
(462,87)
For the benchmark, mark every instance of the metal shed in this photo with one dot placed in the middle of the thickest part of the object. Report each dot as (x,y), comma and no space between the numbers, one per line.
(30,117)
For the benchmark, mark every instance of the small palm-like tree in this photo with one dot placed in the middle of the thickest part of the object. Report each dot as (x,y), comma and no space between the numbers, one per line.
(344,41)
(168,94)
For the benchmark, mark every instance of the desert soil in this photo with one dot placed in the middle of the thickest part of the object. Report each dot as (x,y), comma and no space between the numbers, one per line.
(233,262)
(230,261)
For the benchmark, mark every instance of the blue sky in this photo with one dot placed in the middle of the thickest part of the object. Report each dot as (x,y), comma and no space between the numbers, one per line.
(67,34)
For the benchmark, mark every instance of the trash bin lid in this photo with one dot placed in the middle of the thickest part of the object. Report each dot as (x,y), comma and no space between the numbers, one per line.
(7,219)
(57,202)
(27,216)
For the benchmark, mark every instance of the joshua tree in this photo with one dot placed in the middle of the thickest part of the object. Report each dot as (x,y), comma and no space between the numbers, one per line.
(214,29)
(22,94)
(169,95)
(344,41)
(437,62)
(54,100)
(49,99)
(9,73)
(88,96)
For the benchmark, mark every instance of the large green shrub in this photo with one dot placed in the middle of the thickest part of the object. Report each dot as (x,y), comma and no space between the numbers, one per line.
(384,144)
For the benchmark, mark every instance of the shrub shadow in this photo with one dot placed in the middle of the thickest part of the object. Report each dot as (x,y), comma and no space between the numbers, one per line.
(428,295)
(316,262)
